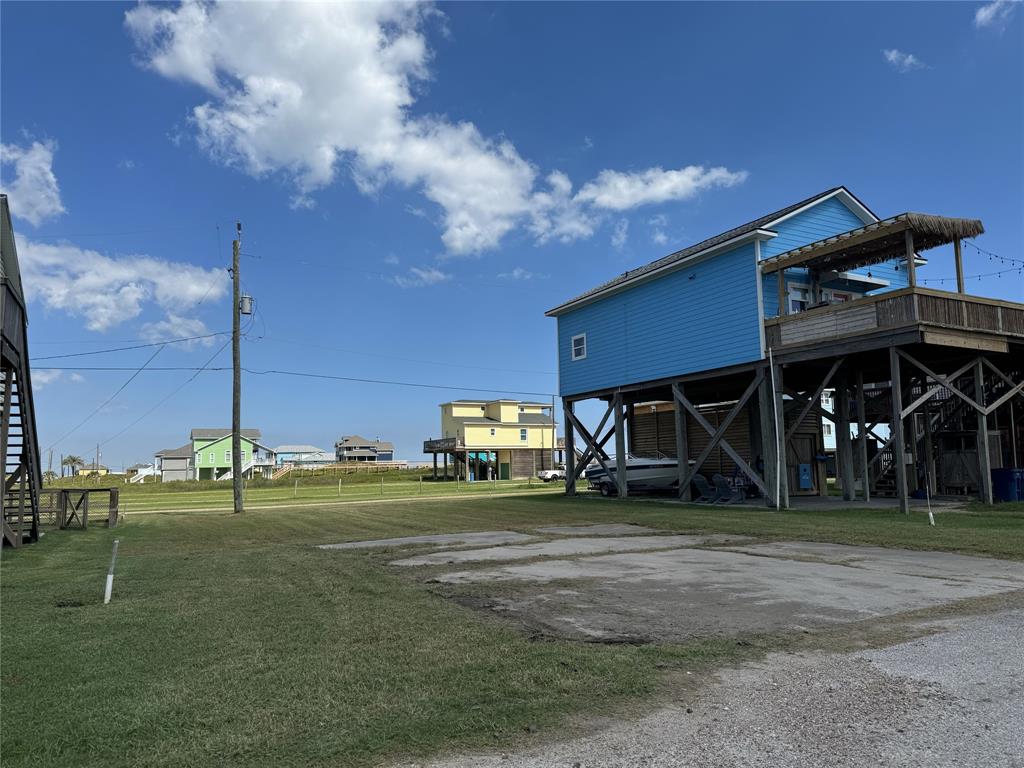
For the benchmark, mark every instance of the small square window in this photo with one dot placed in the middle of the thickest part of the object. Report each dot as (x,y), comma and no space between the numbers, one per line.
(522,435)
(493,431)
(579,346)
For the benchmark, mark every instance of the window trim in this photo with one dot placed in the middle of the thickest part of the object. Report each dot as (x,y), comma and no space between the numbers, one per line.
(572,347)
(524,435)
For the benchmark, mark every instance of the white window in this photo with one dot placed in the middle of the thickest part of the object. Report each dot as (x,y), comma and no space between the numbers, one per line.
(227,457)
(799,297)
(579,346)
(242,454)
(522,409)
(212,457)
(199,458)
(828,429)
(493,431)
(523,435)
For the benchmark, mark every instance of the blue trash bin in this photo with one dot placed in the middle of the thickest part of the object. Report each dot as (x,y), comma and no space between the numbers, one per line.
(1008,484)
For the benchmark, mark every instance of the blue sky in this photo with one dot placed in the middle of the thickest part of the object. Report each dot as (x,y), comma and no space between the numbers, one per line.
(418,184)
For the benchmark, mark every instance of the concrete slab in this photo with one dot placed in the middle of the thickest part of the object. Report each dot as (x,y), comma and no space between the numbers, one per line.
(562,548)
(439,539)
(935,565)
(684,593)
(597,529)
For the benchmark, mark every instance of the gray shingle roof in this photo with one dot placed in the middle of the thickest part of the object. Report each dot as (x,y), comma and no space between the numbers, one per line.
(362,442)
(743,229)
(184,452)
(298,449)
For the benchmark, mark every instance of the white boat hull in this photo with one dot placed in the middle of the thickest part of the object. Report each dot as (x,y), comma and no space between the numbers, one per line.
(641,474)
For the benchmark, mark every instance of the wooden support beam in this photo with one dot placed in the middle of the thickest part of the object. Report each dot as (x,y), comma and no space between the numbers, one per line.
(682,443)
(718,435)
(984,462)
(959,266)
(929,455)
(908,239)
(783,309)
(939,378)
(769,440)
(931,391)
(862,438)
(589,452)
(621,481)
(717,439)
(570,450)
(814,399)
(782,475)
(898,444)
(843,445)
(589,440)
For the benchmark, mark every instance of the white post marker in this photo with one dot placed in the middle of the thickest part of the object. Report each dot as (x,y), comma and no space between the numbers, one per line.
(110,575)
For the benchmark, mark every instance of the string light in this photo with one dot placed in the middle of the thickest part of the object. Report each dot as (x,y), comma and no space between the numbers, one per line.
(992,257)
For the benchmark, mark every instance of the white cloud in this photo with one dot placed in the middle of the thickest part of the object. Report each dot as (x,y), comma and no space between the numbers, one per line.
(77,378)
(106,290)
(618,191)
(996,14)
(41,378)
(557,214)
(620,234)
(321,88)
(176,326)
(517,274)
(34,194)
(661,220)
(391,259)
(902,62)
(420,278)
(127,164)
(659,237)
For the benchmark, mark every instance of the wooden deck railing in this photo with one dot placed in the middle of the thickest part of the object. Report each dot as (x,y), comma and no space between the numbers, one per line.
(897,309)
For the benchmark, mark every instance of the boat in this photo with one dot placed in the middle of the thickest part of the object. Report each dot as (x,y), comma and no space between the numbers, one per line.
(643,473)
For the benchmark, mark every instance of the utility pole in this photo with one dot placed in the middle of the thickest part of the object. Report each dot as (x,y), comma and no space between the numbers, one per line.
(236,376)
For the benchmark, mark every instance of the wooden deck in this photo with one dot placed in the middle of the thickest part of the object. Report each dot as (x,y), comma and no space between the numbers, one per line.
(940,317)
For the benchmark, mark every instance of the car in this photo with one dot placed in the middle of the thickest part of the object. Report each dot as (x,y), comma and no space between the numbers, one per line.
(548,475)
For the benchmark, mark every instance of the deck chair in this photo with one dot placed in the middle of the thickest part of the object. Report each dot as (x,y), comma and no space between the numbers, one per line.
(707,493)
(726,493)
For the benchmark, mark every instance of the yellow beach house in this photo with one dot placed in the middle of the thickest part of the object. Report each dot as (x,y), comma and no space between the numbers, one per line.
(495,439)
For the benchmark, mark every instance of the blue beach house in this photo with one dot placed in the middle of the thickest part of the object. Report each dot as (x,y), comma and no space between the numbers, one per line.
(713,360)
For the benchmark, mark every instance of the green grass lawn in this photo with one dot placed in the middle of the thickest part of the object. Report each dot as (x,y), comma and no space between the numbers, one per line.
(218,495)
(232,640)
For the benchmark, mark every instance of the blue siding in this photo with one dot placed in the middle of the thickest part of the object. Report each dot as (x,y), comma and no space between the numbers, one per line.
(825,219)
(665,327)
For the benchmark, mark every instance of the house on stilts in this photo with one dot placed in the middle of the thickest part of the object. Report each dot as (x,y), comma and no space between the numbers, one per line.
(719,354)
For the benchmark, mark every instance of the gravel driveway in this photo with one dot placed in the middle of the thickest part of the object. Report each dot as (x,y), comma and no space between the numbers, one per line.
(955,698)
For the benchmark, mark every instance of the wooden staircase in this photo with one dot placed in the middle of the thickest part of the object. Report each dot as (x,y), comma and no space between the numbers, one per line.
(19,445)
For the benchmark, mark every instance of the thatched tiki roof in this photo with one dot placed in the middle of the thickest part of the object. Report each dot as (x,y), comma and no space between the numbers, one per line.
(875,243)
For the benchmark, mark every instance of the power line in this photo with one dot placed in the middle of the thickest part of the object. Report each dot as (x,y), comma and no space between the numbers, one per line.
(173,392)
(135,346)
(403,359)
(106,402)
(306,374)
